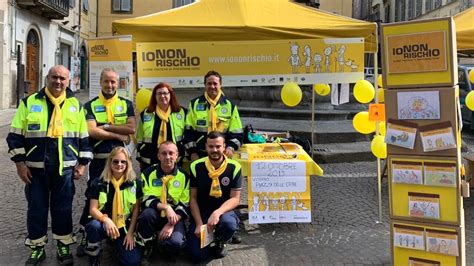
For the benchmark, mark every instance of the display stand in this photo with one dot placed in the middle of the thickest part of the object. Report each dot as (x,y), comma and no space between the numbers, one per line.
(423,143)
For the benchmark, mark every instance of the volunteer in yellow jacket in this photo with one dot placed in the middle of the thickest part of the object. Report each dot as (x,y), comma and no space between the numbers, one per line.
(114,207)
(163,120)
(48,141)
(110,120)
(165,203)
(212,112)
(215,185)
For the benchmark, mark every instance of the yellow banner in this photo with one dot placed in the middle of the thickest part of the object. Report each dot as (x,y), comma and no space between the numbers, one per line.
(111,52)
(252,63)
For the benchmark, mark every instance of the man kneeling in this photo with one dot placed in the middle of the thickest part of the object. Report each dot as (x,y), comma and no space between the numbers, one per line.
(215,183)
(165,203)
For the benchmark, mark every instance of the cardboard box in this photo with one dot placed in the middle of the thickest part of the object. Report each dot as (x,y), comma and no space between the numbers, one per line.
(435,251)
(419,53)
(468,162)
(414,105)
(425,178)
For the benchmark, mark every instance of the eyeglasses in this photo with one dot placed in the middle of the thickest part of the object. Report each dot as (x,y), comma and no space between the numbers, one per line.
(162,93)
(116,162)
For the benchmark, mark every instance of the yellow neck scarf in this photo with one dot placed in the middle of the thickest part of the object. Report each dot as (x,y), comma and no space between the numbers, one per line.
(117,205)
(164,192)
(214,175)
(55,129)
(164,116)
(212,114)
(108,105)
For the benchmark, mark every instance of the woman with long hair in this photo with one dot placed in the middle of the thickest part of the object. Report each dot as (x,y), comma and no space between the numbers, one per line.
(114,207)
(163,120)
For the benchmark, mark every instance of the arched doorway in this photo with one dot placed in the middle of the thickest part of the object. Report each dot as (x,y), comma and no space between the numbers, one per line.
(84,67)
(32,61)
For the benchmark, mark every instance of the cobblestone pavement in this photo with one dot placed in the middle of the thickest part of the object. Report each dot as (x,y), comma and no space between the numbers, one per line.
(343,231)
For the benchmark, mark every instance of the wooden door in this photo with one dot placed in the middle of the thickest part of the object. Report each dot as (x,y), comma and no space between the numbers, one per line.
(32,62)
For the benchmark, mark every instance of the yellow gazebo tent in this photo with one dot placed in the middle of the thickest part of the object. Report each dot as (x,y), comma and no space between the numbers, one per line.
(229,20)
(465,31)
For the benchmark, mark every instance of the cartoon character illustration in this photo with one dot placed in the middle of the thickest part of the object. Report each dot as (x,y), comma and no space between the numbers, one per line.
(294,59)
(307,56)
(283,203)
(340,58)
(256,203)
(294,203)
(266,203)
(417,108)
(275,204)
(350,63)
(440,143)
(327,57)
(401,138)
(317,63)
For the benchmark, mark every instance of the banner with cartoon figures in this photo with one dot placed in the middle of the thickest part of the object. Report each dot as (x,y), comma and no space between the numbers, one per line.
(279,192)
(111,52)
(251,63)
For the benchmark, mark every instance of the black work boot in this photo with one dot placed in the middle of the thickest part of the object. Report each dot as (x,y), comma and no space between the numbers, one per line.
(64,254)
(36,257)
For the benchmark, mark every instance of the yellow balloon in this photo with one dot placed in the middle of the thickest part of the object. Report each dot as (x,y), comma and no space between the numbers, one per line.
(470,100)
(142,99)
(380,81)
(362,124)
(291,94)
(381,94)
(471,75)
(379,147)
(364,91)
(382,129)
(322,89)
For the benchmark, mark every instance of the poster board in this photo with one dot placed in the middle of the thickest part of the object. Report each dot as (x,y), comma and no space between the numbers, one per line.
(425,107)
(111,52)
(425,189)
(279,191)
(251,63)
(420,53)
(433,244)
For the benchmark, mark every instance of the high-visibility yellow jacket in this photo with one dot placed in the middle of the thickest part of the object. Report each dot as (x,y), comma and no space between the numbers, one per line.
(147,134)
(27,140)
(197,123)
(95,110)
(178,189)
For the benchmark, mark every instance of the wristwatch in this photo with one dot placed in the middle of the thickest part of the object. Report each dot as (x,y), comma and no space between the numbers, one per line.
(106,126)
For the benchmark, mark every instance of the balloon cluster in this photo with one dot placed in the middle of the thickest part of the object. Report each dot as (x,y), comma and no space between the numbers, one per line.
(470,96)
(291,94)
(364,92)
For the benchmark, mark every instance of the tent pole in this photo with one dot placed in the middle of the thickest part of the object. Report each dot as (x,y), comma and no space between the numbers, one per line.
(377,128)
(312,124)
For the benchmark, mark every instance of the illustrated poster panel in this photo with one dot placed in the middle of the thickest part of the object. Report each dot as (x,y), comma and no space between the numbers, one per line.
(444,175)
(408,237)
(418,105)
(423,205)
(407,173)
(438,139)
(279,192)
(442,242)
(399,135)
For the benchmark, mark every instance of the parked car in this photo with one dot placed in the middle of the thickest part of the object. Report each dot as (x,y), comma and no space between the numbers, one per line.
(465,86)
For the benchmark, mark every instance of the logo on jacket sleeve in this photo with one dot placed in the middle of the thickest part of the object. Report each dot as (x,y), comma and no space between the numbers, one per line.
(179,116)
(176,184)
(223,110)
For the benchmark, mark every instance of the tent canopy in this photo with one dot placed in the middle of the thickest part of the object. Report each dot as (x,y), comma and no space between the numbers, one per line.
(232,20)
(465,31)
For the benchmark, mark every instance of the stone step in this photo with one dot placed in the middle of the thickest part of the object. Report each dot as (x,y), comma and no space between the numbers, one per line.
(324,111)
(342,152)
(339,131)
